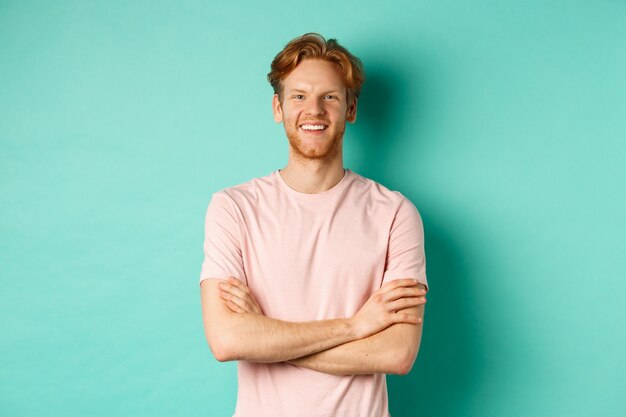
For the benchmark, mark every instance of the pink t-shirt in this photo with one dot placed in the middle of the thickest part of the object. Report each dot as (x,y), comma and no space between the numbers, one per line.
(311,257)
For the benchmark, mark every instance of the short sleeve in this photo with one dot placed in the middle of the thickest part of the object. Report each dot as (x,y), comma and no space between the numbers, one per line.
(222,240)
(405,251)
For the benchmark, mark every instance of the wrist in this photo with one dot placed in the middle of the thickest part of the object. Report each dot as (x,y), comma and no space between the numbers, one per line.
(354,329)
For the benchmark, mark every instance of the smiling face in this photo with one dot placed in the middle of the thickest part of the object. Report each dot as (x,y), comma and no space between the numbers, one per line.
(314,110)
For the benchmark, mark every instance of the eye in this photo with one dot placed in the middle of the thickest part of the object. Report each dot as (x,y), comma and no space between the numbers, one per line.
(298,96)
(330,96)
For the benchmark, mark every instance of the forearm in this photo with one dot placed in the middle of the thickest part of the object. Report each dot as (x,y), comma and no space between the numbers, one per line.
(256,338)
(364,356)
(391,351)
(242,332)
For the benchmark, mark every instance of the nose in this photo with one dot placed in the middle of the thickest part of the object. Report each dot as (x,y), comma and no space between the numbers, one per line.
(315,106)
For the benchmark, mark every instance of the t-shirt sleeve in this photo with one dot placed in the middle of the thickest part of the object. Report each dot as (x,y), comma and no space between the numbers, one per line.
(222,240)
(405,251)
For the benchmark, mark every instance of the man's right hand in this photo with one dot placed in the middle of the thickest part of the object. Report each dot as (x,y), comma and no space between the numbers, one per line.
(379,312)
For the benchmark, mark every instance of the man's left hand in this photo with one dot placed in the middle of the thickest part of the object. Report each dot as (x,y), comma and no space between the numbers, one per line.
(238,297)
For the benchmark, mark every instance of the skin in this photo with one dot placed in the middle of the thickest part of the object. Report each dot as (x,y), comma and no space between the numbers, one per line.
(384,335)
(378,344)
(257,338)
(239,298)
(314,91)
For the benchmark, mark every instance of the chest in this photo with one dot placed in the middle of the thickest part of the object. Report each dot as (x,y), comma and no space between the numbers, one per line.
(304,264)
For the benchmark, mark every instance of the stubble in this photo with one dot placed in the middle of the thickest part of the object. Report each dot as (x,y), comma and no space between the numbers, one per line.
(322,149)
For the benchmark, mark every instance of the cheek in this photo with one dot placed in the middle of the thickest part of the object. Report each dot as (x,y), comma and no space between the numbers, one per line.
(292,114)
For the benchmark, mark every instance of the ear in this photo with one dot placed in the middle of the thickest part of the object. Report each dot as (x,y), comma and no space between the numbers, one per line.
(278,111)
(351,112)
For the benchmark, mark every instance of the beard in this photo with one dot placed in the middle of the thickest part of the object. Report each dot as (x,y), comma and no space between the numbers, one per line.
(324,148)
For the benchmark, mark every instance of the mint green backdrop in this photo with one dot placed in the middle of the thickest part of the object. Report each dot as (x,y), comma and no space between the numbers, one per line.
(503,121)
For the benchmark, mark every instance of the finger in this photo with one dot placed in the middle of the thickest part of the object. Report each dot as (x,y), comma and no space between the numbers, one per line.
(229,303)
(234,281)
(406,318)
(239,284)
(231,289)
(406,302)
(243,295)
(240,303)
(239,289)
(401,282)
(399,292)
(234,307)
(253,307)
(228,296)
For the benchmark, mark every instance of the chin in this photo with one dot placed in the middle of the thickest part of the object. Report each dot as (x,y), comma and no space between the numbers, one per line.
(304,147)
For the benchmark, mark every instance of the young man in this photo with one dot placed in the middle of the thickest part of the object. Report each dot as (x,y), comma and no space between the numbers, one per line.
(314,276)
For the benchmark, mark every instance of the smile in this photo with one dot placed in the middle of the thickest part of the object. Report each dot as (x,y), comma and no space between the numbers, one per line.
(313,127)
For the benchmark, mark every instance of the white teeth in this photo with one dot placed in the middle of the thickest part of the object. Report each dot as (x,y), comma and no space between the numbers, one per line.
(313,127)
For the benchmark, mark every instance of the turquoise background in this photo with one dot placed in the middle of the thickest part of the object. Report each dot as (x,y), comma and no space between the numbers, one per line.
(503,121)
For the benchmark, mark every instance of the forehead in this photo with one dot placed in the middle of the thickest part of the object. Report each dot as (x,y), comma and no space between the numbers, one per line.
(315,74)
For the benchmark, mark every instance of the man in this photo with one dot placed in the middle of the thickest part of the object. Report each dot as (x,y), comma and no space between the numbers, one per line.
(313,276)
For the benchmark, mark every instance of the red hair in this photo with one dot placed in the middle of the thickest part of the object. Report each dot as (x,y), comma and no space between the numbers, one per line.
(313,45)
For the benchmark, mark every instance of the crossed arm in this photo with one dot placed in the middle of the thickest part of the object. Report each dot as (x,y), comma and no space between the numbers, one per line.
(383,337)
(391,351)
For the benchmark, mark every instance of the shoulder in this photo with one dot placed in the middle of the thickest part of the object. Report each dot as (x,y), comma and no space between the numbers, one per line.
(244,193)
(379,194)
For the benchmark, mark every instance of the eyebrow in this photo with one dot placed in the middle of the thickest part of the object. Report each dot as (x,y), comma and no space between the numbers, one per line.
(297,90)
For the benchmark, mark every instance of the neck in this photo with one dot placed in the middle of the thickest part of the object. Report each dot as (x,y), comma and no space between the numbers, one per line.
(312,177)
